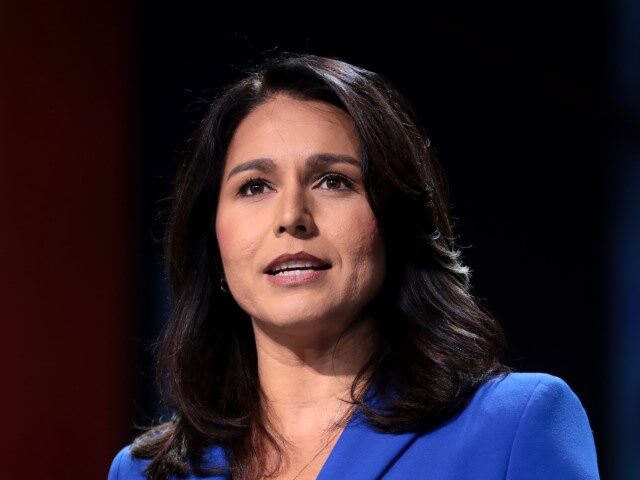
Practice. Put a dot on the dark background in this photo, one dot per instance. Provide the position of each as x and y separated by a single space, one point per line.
533 109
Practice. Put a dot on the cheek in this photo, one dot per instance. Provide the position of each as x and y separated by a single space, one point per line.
362 244
224 235
236 240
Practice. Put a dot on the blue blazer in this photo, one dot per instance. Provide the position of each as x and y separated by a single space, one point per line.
519 426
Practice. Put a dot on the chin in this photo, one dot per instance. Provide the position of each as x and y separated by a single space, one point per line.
296 319
302 320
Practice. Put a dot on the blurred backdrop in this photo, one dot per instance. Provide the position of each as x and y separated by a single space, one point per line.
533 108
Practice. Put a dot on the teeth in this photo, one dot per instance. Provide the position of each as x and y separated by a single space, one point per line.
288 273
295 264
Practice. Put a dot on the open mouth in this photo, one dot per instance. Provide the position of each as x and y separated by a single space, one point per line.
296 270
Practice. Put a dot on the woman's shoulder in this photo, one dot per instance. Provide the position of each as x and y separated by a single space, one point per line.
539 419
515 426
538 396
512 388
126 466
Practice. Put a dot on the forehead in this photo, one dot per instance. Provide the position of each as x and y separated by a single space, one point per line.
284 127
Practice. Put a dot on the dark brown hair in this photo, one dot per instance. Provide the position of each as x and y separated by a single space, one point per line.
437 343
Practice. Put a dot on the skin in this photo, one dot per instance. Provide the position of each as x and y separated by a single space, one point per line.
295 206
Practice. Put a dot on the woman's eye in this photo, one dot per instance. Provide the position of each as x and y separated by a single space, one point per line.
258 186
252 187
333 182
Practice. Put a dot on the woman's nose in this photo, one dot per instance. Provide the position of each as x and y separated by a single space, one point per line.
293 215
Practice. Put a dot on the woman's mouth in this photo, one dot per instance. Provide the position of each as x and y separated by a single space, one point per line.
295 267
297 274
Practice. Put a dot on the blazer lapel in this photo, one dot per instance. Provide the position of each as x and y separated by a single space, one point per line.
363 453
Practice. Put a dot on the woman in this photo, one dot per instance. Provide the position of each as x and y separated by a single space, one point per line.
323 324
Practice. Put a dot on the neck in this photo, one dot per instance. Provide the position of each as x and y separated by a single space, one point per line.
303 378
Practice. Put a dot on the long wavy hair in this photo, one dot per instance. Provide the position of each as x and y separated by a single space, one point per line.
437 343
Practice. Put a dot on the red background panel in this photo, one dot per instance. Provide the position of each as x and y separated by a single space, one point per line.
65 229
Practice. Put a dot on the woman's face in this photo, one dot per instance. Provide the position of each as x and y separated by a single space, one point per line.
292 183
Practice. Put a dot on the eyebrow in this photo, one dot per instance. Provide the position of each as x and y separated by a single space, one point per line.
314 161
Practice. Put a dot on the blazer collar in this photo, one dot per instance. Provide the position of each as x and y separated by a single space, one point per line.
360 452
